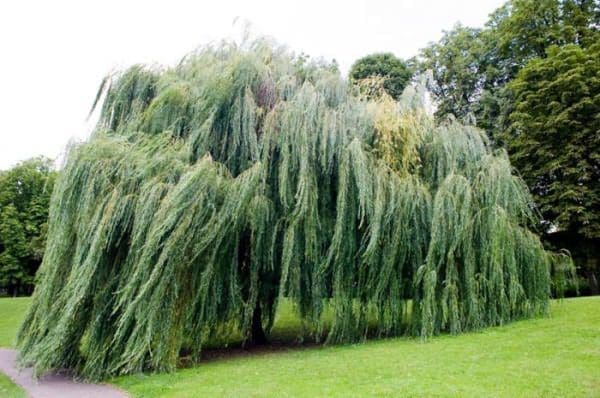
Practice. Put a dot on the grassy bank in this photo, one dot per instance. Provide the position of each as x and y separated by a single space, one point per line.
557 356
12 311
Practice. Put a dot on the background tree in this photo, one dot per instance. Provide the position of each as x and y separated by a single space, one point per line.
395 72
24 200
455 62
554 140
519 32
471 67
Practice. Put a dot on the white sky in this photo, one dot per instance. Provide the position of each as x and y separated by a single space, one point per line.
55 53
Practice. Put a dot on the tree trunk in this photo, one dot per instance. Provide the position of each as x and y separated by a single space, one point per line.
591 275
258 336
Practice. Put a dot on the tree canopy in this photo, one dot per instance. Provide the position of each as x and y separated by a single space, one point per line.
455 63
395 72
211 190
555 135
471 67
24 200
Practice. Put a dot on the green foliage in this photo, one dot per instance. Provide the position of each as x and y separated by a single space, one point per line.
555 136
475 75
24 200
211 190
395 73
455 63
471 67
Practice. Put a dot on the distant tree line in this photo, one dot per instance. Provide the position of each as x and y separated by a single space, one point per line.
25 192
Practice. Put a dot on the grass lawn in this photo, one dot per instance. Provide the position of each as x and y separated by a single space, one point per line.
551 357
12 311
8 389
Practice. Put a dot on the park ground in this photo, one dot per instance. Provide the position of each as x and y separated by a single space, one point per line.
558 356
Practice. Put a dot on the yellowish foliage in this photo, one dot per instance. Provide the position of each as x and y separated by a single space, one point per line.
398 133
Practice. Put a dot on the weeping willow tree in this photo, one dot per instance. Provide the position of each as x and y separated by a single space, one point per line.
211 190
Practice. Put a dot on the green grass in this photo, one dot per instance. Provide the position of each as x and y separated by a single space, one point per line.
557 356
8 389
551 357
12 311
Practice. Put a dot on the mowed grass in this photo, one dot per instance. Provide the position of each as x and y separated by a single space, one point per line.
551 357
12 311
8 389
557 356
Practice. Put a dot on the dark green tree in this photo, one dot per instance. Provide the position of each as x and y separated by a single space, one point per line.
518 32
24 201
457 71
554 137
471 67
395 72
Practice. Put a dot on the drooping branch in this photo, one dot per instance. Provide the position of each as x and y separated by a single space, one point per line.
212 190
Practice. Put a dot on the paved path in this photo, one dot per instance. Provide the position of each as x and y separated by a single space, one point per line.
53 385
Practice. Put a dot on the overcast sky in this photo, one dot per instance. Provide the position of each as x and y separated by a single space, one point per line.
55 53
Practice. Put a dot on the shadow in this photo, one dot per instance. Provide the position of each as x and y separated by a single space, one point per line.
231 353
